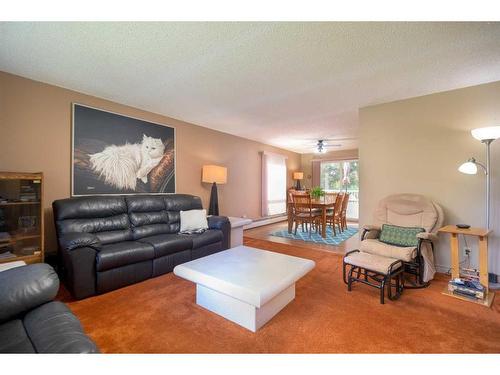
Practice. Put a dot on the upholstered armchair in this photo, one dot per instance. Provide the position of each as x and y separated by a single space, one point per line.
406 210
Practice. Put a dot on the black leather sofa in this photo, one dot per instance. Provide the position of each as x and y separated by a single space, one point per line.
30 322
108 242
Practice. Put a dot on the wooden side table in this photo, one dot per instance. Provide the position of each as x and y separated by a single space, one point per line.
482 235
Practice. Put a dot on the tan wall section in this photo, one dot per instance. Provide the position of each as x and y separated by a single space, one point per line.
416 146
35 123
307 159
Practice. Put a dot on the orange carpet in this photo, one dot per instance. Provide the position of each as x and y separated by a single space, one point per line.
160 316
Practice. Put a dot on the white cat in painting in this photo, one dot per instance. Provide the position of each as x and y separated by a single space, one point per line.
121 166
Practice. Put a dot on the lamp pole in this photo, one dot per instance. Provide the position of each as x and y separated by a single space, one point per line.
487 142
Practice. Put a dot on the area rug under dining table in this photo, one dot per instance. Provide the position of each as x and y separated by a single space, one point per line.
330 238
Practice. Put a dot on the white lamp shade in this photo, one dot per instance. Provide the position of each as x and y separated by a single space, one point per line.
490 132
214 173
468 168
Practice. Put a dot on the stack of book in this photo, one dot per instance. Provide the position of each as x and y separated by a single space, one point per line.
467 288
27 193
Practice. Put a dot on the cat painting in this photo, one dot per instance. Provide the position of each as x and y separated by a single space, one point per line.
121 166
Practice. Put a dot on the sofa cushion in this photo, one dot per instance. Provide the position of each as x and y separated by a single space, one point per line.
371 262
147 215
208 237
52 328
165 244
13 338
123 253
374 246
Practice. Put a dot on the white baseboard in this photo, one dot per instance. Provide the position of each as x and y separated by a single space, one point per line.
441 268
265 221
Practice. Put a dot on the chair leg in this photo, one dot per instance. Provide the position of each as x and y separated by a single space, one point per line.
382 290
296 225
349 279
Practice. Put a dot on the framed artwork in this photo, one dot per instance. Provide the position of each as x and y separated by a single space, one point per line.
116 154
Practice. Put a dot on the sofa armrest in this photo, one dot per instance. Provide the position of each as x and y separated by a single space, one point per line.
427 236
53 328
75 240
222 223
80 271
24 288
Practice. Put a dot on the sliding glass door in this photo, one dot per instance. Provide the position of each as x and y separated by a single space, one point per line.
336 176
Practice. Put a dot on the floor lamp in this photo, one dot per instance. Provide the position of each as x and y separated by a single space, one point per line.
213 174
487 136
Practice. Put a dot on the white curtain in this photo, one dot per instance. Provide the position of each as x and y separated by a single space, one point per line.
273 184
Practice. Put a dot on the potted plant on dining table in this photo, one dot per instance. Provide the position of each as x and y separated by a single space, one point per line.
317 192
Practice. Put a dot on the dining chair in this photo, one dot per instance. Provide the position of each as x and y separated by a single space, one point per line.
333 216
343 213
303 213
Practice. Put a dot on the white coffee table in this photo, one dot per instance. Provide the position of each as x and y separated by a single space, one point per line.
245 285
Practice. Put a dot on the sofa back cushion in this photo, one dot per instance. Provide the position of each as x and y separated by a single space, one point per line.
147 215
121 218
105 217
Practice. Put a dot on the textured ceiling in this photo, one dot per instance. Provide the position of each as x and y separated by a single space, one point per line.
285 84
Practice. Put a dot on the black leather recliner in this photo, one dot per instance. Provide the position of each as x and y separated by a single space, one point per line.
108 242
30 322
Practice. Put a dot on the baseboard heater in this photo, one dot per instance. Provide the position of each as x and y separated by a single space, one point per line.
265 221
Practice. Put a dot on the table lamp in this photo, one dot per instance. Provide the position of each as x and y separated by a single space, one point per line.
298 176
485 135
214 174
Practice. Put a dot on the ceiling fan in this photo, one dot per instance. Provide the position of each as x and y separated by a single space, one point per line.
322 145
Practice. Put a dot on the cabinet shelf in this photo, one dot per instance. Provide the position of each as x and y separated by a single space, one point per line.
18 203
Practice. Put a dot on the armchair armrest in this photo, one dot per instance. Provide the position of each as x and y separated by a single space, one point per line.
427 236
369 227
222 223
370 231
74 240
24 288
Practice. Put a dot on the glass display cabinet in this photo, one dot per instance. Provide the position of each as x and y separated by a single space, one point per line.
21 217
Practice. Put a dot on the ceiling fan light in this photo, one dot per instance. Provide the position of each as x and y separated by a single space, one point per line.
487 133
320 146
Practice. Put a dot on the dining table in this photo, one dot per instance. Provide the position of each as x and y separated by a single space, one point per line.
323 203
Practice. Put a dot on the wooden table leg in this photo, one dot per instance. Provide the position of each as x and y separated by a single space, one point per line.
455 263
483 261
323 220
290 221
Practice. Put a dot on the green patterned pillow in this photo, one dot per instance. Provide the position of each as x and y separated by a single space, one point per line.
400 236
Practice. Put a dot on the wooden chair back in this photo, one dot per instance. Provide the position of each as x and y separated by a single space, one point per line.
302 203
345 202
339 199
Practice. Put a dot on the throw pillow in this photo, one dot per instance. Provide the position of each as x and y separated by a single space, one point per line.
193 221
400 236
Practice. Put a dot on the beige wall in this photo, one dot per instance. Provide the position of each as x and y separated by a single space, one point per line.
307 159
35 123
416 146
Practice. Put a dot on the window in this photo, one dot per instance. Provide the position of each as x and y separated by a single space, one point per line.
342 175
273 184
